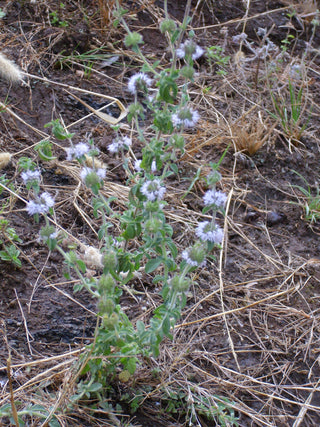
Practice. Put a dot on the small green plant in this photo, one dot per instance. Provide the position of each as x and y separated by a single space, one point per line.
8 237
27 413
217 58
55 17
191 404
10 253
311 205
217 409
285 43
291 118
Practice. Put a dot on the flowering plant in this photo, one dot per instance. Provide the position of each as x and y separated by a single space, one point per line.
146 240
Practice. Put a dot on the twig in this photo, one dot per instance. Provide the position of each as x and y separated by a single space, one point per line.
13 405
28 335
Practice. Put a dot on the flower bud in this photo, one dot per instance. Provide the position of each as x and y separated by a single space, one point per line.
168 25
106 306
177 141
187 72
110 322
133 39
152 206
198 253
109 261
180 284
153 225
213 178
106 284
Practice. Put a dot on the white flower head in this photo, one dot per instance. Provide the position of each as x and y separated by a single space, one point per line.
119 144
189 48
153 190
189 258
137 165
47 199
100 172
77 151
40 206
208 232
214 197
139 81
85 172
31 176
153 166
185 117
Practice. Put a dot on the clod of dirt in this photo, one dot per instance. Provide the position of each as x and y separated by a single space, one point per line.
274 218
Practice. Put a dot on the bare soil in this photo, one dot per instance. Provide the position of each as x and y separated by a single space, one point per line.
251 328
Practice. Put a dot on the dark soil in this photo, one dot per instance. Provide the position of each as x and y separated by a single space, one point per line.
271 247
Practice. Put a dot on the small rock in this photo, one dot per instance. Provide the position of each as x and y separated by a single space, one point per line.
274 218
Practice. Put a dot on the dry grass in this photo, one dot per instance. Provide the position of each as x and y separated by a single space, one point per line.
250 331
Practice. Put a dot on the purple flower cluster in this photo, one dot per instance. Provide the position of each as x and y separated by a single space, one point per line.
77 151
153 190
119 144
209 232
40 206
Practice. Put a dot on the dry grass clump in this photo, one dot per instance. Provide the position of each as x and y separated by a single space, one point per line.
5 159
250 133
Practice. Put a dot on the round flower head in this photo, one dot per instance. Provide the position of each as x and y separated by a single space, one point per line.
186 117
40 206
214 197
30 176
153 190
119 144
101 172
139 81
189 48
208 232
195 256
77 151
86 172
48 232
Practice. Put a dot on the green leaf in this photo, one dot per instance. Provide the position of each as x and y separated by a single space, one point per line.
58 130
153 264
173 248
168 88
170 264
166 326
81 265
131 365
130 232
94 387
44 149
140 326
174 168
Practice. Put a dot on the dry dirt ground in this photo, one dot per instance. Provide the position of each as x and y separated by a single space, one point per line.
251 328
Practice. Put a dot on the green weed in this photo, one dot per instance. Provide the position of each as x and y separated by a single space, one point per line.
311 205
291 118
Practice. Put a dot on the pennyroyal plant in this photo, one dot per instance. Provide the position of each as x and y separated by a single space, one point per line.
146 239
